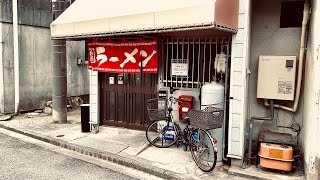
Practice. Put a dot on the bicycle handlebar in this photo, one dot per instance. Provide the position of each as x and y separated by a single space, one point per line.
174 100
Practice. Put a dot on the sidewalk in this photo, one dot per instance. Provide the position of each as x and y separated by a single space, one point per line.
125 147
119 145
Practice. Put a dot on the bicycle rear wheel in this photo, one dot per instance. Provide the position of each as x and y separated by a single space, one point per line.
202 150
162 133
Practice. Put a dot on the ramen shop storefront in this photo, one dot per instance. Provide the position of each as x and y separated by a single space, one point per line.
128 49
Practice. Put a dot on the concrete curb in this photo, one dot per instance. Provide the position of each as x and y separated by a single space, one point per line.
252 174
125 161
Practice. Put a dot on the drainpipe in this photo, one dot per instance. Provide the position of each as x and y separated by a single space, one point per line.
306 17
16 55
59 70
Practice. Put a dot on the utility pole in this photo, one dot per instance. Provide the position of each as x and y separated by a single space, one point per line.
59 70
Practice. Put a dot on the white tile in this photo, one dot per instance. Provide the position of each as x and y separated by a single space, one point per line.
94 80
238 64
94 89
236 118
93 100
238 50
94 73
93 117
93 96
235 135
238 93
242 6
240 36
94 108
237 79
235 148
236 107
241 21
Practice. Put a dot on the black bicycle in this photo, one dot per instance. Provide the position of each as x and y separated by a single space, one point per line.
163 132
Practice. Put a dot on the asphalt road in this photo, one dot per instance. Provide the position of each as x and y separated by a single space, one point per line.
22 160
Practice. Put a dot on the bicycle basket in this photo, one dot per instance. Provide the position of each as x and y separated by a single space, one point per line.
209 118
157 108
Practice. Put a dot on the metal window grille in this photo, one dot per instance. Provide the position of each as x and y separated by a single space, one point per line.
199 53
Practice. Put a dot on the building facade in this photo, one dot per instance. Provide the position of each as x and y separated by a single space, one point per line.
262 29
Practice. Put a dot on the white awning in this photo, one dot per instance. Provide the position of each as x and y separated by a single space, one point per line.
93 18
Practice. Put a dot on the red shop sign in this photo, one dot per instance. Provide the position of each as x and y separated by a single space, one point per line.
123 57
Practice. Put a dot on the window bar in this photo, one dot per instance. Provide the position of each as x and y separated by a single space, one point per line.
193 46
227 67
167 59
222 51
177 60
171 64
182 60
188 62
195 43
210 63
161 68
199 51
215 59
204 61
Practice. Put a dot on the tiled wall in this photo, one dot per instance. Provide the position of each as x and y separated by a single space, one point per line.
238 82
94 97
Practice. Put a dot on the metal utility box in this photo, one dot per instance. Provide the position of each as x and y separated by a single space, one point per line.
276 77
184 106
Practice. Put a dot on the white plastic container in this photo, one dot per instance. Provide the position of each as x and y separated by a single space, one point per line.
213 93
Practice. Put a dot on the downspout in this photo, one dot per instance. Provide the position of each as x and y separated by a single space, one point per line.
59 70
1 73
306 17
16 55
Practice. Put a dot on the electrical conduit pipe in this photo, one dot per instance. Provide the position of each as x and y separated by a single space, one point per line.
16 55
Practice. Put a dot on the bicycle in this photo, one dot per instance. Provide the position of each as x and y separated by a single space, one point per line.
164 132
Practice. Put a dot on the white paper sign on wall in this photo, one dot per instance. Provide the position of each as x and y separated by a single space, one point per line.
111 80
179 67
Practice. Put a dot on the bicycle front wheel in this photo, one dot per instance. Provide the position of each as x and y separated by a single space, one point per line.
202 150
162 133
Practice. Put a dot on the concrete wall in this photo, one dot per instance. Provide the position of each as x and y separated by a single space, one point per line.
311 114
78 75
30 12
35 58
36 68
269 39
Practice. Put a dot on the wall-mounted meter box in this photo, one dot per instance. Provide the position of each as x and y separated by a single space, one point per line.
276 77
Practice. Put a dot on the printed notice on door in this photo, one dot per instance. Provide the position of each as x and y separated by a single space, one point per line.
179 67
285 87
